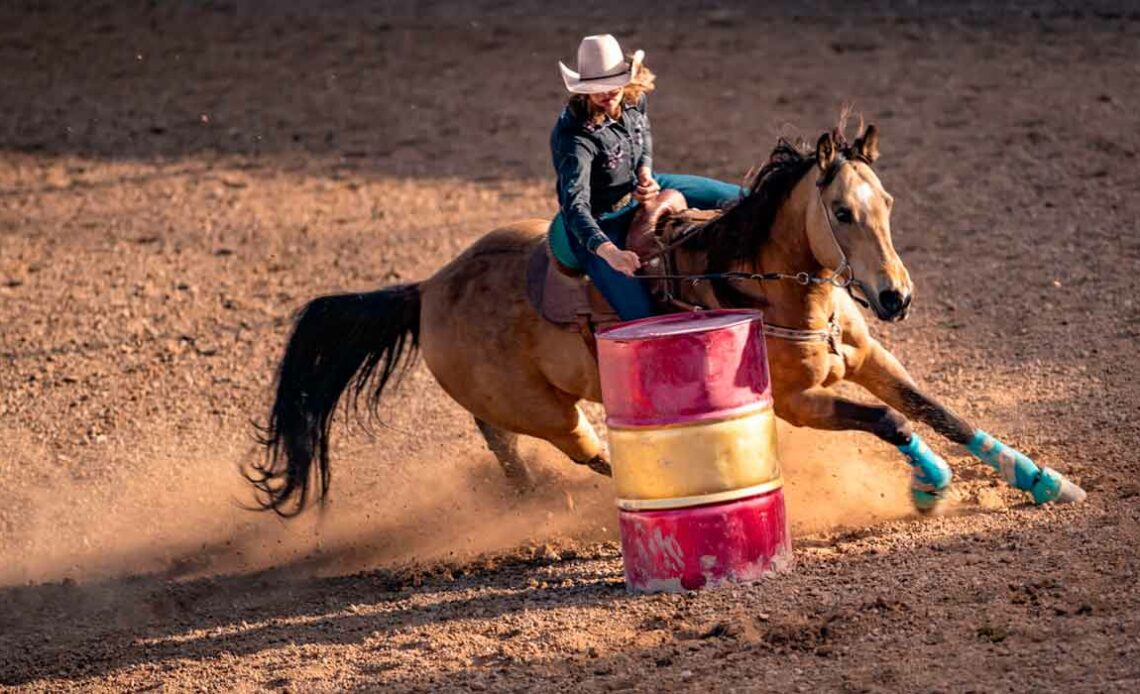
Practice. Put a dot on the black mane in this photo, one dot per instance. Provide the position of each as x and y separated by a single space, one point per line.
743 229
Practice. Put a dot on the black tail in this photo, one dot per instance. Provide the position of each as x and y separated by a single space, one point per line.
340 343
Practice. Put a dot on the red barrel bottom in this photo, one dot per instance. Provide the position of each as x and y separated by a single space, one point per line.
704 546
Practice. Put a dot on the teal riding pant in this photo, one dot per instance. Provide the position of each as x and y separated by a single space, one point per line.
630 297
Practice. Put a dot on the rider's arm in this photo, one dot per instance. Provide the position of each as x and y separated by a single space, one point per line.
646 160
573 160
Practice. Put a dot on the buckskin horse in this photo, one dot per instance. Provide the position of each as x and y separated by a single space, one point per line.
808 239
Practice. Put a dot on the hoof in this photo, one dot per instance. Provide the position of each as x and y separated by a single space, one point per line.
928 497
600 465
519 476
1071 493
522 485
926 502
931 478
1053 487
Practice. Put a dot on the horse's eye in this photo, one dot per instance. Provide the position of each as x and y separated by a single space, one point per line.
844 215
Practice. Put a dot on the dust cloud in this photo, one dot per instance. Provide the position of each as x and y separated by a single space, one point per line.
186 514
839 480
181 510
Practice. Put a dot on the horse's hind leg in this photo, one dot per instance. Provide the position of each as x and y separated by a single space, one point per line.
885 377
505 445
581 443
820 408
544 413
558 419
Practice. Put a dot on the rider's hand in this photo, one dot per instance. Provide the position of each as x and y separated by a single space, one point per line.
647 188
625 262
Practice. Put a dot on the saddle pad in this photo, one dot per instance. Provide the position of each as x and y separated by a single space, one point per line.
560 299
556 234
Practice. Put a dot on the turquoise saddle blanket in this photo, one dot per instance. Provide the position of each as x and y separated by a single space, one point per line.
560 244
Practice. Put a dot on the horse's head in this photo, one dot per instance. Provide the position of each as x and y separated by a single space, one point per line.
850 219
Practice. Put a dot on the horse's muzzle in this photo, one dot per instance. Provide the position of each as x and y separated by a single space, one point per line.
892 305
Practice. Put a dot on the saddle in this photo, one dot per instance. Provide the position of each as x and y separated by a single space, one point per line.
566 297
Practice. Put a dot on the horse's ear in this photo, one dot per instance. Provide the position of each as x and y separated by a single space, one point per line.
824 151
867 146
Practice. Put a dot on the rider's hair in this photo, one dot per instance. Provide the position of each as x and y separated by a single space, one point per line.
642 84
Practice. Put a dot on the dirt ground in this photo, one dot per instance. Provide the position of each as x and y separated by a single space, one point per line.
177 179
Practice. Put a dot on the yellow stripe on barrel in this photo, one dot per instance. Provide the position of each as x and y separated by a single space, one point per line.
692 460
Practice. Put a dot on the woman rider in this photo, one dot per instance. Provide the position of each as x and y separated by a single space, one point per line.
603 155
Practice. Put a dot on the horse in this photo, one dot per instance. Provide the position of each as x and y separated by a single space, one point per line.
808 242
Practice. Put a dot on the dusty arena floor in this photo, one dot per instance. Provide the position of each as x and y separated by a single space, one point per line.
177 179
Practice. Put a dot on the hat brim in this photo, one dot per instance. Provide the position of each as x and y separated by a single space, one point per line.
576 85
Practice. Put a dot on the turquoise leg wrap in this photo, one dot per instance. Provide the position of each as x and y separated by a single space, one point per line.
931 473
1016 468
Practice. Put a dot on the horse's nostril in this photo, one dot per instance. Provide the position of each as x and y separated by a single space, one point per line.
891 301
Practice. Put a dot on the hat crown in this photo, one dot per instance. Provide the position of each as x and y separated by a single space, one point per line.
600 56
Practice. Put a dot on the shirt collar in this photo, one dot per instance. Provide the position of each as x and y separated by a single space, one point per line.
594 127
591 127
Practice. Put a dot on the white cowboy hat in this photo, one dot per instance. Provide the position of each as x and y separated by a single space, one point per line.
602 66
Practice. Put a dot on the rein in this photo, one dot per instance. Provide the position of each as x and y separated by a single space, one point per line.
799 277
842 277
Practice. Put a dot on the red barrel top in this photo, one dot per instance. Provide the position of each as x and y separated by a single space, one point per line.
683 367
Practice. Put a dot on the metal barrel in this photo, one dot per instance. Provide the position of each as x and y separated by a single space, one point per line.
693 444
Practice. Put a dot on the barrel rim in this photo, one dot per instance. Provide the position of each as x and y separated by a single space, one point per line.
764 403
681 502
609 332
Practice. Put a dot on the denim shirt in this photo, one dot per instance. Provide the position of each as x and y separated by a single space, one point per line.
597 167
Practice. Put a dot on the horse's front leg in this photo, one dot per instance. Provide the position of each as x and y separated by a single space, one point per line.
820 408
883 375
